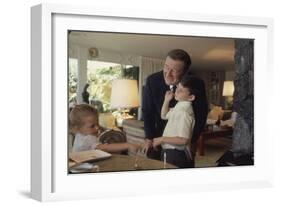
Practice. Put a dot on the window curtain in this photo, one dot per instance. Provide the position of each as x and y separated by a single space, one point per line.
150 66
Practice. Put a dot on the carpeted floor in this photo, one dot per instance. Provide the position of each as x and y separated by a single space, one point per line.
214 149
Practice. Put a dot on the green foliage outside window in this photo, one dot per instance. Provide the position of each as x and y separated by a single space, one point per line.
99 80
100 86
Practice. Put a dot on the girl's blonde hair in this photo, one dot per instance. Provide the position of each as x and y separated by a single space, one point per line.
79 112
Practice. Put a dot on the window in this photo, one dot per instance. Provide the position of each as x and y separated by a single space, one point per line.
72 82
97 88
99 78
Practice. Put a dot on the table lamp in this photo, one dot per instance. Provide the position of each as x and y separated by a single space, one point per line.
124 96
228 90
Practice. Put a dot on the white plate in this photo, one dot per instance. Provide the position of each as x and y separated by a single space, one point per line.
84 167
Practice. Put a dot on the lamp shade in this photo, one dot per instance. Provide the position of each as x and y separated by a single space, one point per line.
124 94
228 89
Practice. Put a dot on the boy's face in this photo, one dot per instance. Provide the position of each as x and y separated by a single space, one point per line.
90 126
183 94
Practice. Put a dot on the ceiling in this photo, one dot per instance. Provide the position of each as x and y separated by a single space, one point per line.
206 53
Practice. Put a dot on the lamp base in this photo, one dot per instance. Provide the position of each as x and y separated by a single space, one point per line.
228 103
121 115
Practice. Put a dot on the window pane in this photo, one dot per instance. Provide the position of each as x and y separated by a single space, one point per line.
72 87
100 76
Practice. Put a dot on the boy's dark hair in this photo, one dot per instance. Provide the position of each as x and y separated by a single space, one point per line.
196 87
179 54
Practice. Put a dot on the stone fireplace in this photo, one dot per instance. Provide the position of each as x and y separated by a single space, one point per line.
242 151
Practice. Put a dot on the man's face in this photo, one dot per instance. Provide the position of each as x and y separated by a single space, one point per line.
173 70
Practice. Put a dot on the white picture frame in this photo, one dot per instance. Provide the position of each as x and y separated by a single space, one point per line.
49 176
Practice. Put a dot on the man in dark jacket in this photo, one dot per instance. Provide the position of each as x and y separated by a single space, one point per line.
176 65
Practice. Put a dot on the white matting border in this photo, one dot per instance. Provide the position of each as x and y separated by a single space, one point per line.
49 179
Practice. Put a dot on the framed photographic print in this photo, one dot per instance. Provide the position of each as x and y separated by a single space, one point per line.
91 73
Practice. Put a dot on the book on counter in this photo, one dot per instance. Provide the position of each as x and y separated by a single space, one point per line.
133 123
134 131
134 127
135 139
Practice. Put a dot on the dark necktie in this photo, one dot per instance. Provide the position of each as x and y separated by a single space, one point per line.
173 101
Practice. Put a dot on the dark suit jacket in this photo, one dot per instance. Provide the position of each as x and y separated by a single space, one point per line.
153 98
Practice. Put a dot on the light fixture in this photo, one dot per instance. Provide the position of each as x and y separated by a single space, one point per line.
93 52
228 90
124 96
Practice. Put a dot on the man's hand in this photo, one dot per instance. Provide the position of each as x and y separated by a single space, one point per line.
147 145
157 141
